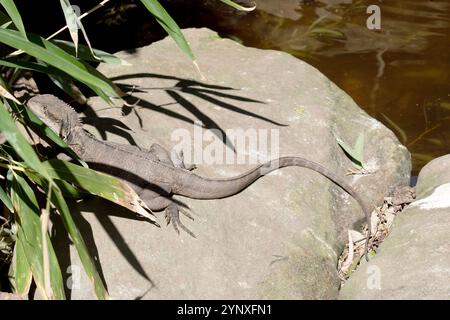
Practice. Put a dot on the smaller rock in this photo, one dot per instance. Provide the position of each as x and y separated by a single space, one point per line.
414 261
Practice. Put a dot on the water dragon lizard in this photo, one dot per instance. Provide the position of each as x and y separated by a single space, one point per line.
152 173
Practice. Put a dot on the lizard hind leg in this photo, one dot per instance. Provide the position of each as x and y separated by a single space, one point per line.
172 211
172 214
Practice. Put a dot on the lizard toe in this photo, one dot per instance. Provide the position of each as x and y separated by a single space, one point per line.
187 214
172 214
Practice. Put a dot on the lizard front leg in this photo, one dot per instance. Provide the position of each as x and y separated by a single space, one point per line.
175 159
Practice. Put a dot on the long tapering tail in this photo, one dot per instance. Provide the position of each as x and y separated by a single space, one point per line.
194 186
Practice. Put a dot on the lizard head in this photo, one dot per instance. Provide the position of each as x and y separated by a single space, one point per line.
55 113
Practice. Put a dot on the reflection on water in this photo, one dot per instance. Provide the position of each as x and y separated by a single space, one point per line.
399 74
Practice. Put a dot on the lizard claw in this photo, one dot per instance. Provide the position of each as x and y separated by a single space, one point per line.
172 214
187 214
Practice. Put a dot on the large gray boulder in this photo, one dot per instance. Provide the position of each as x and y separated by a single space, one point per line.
414 261
281 237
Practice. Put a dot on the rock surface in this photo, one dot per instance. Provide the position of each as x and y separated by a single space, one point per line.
282 236
414 261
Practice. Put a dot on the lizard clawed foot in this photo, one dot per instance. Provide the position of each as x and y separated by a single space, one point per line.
172 214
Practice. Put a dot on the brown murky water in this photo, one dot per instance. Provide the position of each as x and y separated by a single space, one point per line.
399 74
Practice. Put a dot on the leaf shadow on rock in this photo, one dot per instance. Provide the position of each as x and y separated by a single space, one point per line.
103 216
63 242
106 124
212 94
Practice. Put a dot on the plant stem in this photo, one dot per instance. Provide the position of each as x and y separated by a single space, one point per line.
45 217
98 6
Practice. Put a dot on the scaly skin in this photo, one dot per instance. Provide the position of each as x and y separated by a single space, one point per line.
152 173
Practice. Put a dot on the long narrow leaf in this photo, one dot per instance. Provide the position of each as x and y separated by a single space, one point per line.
59 77
21 273
171 27
5 199
19 143
356 153
58 201
103 185
86 259
30 236
50 53
12 11
68 190
32 66
85 54
5 93
68 87
71 22
5 21
239 7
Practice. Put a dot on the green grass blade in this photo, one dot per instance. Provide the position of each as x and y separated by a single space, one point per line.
15 16
30 235
168 24
51 54
21 271
88 264
85 54
32 66
97 183
68 190
69 87
57 74
74 24
5 199
71 22
86 259
19 143
239 7
5 20
356 153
